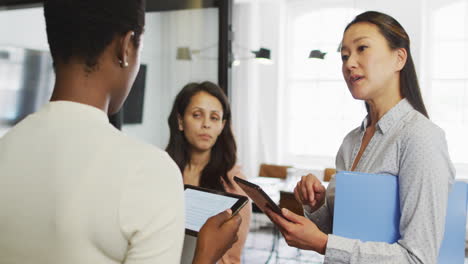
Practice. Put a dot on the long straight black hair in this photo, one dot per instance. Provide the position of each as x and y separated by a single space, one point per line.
223 153
397 37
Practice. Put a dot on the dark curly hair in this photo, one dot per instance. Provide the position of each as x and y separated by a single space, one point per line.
82 29
223 154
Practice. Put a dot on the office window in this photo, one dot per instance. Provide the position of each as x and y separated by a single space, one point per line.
448 105
319 110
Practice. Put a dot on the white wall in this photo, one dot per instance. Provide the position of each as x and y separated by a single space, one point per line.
23 28
255 87
245 90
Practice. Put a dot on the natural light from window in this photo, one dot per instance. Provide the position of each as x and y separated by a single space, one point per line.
319 108
320 111
449 91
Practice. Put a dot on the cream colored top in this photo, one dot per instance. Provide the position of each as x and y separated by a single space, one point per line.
75 190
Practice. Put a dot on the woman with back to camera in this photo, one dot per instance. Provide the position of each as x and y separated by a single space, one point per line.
77 190
203 146
395 138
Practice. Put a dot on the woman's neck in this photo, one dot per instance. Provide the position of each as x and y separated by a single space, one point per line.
199 160
379 106
74 84
378 110
193 169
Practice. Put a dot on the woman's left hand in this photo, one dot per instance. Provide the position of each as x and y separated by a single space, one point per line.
299 231
234 188
235 171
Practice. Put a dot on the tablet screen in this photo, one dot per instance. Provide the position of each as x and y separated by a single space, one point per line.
260 198
201 204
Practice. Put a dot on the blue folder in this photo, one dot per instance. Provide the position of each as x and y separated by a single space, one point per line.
452 249
367 208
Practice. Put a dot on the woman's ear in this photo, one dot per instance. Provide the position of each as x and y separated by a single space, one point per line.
180 122
126 49
402 56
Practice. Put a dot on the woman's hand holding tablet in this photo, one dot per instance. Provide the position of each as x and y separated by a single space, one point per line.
297 230
202 203
260 198
216 236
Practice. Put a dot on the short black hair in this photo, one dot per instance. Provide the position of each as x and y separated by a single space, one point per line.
82 29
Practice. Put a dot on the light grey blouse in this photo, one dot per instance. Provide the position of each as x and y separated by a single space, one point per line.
408 145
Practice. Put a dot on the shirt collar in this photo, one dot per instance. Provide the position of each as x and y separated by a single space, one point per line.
391 117
77 110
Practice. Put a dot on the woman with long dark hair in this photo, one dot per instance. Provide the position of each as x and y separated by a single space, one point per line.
395 138
203 146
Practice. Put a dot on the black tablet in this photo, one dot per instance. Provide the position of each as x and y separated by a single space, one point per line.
258 196
202 203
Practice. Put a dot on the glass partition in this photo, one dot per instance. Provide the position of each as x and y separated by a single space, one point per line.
26 75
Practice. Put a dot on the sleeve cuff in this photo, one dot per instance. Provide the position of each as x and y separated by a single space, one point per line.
338 249
320 217
307 210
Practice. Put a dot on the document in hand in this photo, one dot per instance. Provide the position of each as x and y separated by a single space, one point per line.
367 208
